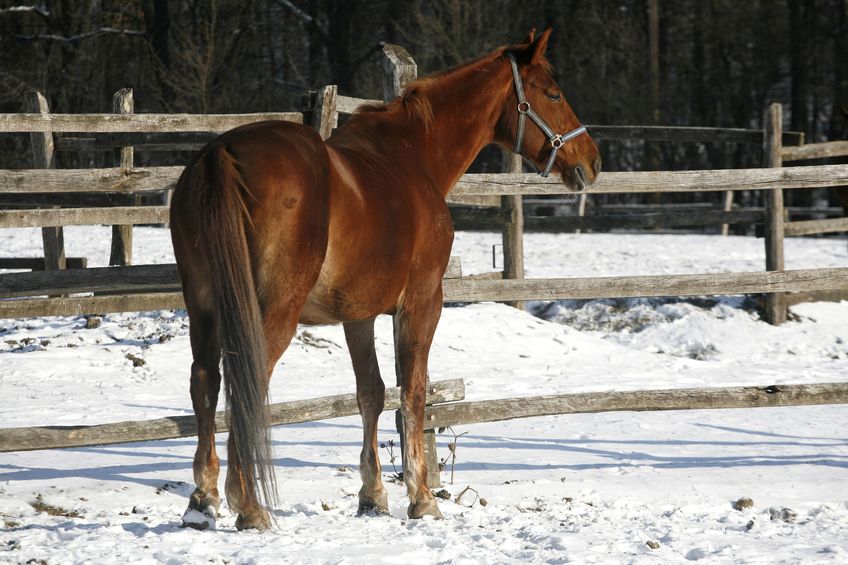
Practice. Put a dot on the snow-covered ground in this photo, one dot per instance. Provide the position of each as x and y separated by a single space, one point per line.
587 488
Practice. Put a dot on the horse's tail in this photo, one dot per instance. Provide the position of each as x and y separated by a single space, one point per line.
219 199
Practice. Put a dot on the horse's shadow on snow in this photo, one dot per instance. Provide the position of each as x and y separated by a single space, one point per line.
608 453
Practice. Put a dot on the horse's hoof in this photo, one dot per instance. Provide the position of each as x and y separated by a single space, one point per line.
372 510
373 505
200 519
424 508
259 520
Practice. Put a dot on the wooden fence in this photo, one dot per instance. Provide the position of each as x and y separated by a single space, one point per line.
150 287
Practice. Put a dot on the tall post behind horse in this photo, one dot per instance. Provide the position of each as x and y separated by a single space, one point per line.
272 226
399 70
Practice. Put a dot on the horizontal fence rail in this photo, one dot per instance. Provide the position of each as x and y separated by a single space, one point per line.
293 412
660 181
81 305
810 227
688 134
95 279
463 290
114 123
141 179
160 178
815 151
84 216
461 413
466 289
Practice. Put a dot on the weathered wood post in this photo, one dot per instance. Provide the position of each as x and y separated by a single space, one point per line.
513 228
325 116
43 158
775 307
728 206
121 254
581 207
399 69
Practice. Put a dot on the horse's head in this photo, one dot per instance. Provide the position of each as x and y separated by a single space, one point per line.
537 122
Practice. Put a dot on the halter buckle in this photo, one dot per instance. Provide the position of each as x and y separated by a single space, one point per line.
557 142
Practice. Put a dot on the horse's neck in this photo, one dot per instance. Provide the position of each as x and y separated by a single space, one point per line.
464 118
465 107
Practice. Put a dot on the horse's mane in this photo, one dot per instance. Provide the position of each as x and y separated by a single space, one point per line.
413 106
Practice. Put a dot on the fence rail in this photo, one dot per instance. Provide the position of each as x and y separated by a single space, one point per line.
815 151
53 437
480 290
462 413
122 123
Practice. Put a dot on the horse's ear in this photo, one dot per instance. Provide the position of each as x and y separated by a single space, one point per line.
539 46
529 39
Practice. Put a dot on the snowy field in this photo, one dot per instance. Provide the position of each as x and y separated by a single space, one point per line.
602 488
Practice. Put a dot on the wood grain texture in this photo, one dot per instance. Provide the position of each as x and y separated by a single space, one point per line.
43 157
809 227
78 306
121 250
112 123
325 116
89 180
83 216
512 231
349 104
659 181
488 184
645 220
97 279
815 151
689 134
53 437
776 310
463 413
465 290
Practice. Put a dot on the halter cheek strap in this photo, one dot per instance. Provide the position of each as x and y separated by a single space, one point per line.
525 111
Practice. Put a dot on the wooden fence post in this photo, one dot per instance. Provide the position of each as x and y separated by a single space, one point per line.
775 307
581 207
121 254
399 69
43 158
325 116
728 206
513 228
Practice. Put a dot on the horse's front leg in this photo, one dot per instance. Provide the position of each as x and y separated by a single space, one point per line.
415 324
370 397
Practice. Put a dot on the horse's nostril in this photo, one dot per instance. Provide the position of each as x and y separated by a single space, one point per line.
597 166
581 176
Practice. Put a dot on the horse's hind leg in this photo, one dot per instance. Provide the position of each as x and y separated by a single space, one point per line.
415 324
370 397
205 383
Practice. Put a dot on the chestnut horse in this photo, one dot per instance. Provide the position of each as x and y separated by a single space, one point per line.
273 227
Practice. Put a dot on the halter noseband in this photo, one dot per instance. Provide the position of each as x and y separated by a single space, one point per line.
524 110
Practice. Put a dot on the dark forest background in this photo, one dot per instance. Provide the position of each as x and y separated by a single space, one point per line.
682 62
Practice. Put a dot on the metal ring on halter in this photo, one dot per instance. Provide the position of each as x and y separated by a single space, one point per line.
523 103
557 142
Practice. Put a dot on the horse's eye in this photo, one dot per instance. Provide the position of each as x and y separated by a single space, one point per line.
553 97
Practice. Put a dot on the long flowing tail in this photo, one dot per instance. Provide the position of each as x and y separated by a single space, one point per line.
218 197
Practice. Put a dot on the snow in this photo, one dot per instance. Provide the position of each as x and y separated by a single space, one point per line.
581 488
